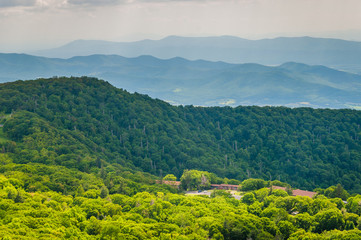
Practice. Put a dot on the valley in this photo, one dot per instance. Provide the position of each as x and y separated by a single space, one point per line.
180 120
200 83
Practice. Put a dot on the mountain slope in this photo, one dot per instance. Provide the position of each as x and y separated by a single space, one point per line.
180 81
76 122
315 51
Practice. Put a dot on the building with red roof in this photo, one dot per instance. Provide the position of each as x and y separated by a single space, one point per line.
303 193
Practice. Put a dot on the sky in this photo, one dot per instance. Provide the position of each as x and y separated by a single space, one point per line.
29 25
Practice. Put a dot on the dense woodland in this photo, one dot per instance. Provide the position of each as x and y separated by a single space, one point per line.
96 214
80 159
82 123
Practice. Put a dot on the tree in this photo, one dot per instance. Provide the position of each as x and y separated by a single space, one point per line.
353 204
286 228
359 223
19 197
253 184
79 191
170 177
275 214
340 192
328 220
194 179
104 192
335 192
93 226
248 198
303 220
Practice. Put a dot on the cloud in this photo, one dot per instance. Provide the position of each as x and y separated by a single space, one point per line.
116 2
83 3
17 3
96 2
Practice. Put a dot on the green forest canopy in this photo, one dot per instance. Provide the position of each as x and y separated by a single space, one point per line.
81 123
94 213
79 158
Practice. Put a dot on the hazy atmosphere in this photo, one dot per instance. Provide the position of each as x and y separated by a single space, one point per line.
180 119
28 25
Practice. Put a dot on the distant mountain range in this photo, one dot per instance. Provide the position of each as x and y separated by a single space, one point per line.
340 54
180 81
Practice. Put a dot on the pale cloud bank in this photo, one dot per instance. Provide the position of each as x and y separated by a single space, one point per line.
57 3
39 24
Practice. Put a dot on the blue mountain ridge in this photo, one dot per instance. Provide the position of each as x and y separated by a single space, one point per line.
199 82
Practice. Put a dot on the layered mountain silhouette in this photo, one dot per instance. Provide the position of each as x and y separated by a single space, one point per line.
205 83
341 54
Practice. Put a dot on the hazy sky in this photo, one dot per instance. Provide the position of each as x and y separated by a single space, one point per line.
38 24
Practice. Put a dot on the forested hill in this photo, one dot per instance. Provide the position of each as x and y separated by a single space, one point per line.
79 122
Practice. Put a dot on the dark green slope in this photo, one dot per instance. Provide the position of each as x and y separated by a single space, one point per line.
79 122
